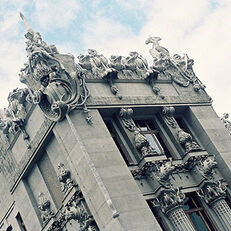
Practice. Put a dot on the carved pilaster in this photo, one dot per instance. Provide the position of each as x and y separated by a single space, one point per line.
213 193
179 220
223 212
170 202
44 207
64 177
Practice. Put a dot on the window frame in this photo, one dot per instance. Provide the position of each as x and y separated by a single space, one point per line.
199 208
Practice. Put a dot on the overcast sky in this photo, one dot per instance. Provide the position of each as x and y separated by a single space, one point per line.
200 28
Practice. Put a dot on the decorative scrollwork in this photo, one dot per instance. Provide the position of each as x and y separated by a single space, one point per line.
54 81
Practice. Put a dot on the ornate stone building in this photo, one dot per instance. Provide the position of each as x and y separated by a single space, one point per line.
112 145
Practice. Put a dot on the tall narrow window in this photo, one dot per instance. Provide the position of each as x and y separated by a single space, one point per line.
153 135
197 214
20 222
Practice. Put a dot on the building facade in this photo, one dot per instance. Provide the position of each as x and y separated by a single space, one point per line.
112 145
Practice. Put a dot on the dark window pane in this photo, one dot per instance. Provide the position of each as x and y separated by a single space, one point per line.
9 228
188 204
20 222
208 221
198 222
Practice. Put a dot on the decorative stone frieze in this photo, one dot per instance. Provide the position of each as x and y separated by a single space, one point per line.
96 66
64 177
168 112
187 141
226 122
53 79
44 206
178 69
156 170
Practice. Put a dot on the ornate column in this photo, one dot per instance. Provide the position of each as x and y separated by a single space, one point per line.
170 203
213 194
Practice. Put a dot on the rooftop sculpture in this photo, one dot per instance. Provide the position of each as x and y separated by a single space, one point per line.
57 84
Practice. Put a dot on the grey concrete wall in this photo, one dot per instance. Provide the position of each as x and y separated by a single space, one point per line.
213 136
123 190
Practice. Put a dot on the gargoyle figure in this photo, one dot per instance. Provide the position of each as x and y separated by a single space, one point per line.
186 140
76 209
117 63
177 68
143 145
95 64
126 115
138 65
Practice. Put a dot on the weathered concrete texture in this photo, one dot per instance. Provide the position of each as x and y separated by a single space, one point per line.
25 202
213 136
141 93
6 198
134 212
